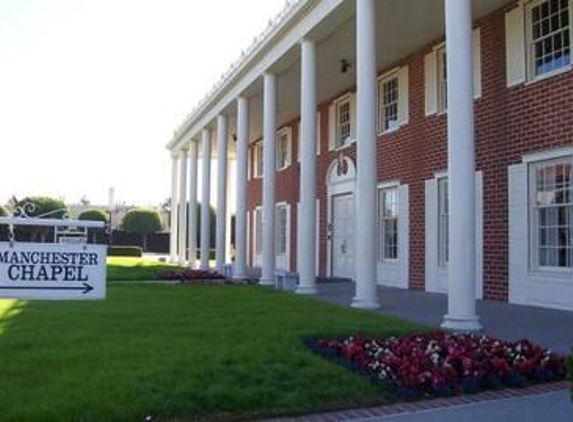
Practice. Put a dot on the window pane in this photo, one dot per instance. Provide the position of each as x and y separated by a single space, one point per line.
553 210
550 36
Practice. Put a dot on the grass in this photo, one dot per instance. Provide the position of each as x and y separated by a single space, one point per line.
178 353
134 269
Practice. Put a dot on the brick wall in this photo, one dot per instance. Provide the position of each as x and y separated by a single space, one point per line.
510 122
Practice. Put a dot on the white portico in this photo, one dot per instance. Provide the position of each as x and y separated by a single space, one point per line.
313 51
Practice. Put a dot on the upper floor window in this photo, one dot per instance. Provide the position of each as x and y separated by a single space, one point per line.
551 210
259 163
388 107
549 36
442 82
443 222
283 149
343 123
388 236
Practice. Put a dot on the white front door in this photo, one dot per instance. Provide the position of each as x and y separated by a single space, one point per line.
343 236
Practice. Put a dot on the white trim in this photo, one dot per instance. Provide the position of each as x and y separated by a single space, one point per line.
528 39
395 272
285 131
547 155
528 286
350 98
284 266
437 276
257 256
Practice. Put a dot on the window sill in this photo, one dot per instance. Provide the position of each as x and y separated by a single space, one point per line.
389 131
555 272
549 75
283 168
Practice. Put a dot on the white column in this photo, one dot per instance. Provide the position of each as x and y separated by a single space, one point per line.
365 199
193 181
307 224
461 160
174 209
205 198
240 272
269 133
221 193
183 208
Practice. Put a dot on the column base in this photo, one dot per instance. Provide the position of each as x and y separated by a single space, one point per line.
267 282
462 324
240 278
306 290
366 304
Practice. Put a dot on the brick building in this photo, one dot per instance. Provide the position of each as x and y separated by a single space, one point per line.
339 118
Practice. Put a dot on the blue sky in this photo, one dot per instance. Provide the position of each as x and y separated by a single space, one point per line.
92 90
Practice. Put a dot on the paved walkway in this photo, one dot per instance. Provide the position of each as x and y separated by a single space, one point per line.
551 403
547 327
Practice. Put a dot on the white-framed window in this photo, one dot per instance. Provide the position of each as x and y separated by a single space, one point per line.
283 149
442 82
258 215
388 210
549 37
282 229
443 222
343 122
258 157
551 213
388 103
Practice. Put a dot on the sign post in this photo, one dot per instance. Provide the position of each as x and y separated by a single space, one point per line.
68 269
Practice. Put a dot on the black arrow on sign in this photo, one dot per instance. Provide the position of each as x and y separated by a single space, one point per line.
86 288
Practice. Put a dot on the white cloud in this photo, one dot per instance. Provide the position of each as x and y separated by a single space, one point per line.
91 91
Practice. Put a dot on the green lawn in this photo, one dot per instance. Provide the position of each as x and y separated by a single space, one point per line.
178 353
134 269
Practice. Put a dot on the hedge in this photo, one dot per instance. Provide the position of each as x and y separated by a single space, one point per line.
129 251
570 371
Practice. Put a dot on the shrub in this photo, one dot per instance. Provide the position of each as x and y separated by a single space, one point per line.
94 215
142 221
36 206
570 371
125 251
191 276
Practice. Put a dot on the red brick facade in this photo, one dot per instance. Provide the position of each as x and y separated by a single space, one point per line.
510 122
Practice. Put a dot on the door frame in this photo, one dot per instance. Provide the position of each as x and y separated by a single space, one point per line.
340 180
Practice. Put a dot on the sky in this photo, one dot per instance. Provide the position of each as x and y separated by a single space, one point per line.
91 91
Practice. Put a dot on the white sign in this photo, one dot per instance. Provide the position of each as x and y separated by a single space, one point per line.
48 271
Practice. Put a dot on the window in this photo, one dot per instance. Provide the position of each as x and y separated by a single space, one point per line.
259 163
282 229
443 222
258 231
442 80
343 124
283 149
388 235
388 104
551 204
549 36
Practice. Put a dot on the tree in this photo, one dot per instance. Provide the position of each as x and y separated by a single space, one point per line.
40 207
94 215
3 229
142 221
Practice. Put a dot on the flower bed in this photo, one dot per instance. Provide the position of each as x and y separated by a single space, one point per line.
442 364
192 276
